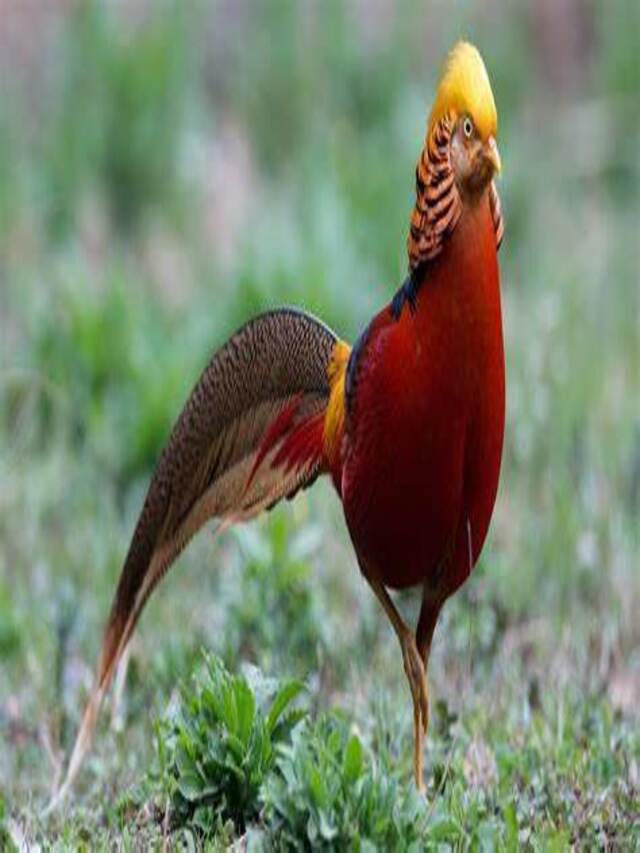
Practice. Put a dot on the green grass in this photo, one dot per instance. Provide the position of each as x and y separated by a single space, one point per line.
162 178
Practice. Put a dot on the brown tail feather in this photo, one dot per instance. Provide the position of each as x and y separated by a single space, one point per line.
218 464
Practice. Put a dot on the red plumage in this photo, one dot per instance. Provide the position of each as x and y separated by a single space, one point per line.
424 439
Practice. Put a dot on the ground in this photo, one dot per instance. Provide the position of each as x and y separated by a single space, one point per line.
164 175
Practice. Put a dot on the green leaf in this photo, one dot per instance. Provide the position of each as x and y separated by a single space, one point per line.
317 788
190 786
184 762
246 708
445 829
284 697
511 826
287 723
353 760
334 741
214 703
236 746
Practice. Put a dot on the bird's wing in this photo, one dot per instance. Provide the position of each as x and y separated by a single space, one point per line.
250 434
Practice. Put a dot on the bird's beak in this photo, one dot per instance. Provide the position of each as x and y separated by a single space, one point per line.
493 155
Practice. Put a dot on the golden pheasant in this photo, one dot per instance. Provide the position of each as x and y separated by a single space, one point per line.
409 423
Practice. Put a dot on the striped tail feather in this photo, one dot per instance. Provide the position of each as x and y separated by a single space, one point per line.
250 434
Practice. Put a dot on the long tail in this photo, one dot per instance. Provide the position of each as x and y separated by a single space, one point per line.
250 434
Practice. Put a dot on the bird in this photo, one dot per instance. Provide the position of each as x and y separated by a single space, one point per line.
408 422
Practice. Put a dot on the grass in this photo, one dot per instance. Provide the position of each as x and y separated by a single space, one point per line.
148 205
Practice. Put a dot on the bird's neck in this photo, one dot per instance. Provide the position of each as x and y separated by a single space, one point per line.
458 297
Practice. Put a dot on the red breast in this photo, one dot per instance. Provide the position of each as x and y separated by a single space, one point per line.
424 437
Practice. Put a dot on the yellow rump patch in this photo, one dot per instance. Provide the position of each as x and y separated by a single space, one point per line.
335 414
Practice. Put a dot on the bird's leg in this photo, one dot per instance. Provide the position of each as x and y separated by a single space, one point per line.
424 634
414 669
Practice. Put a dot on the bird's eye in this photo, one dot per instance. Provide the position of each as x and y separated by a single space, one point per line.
467 127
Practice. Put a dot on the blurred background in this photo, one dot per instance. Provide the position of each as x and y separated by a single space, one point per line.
168 169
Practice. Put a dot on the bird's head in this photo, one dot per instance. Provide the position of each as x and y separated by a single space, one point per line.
464 96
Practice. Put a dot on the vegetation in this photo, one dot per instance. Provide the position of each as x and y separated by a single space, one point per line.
214 755
165 171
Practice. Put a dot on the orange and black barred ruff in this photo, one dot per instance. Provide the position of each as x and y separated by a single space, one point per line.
438 205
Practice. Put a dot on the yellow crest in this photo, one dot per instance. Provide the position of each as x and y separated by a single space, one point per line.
464 89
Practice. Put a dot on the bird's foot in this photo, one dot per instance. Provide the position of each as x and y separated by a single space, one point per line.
416 676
